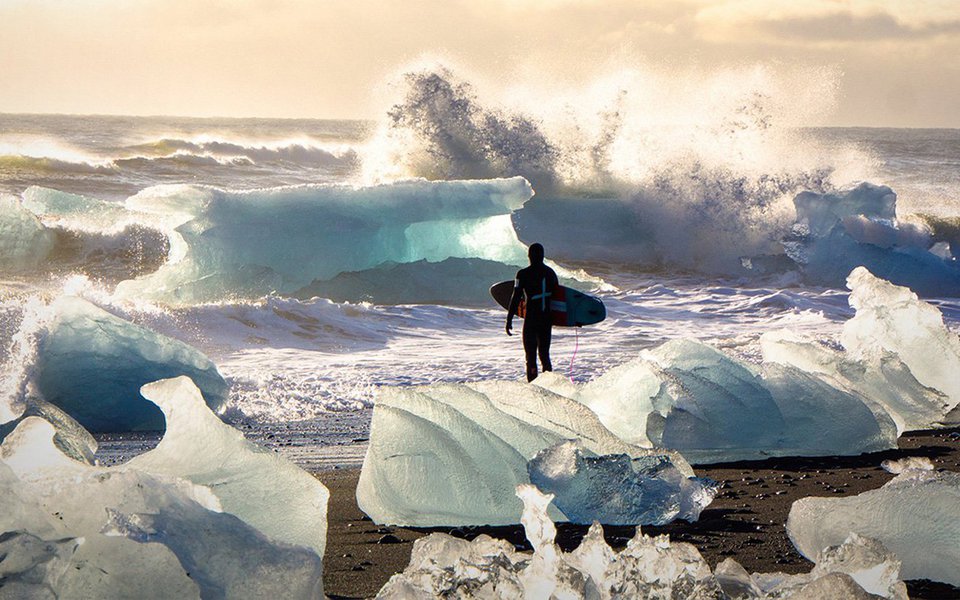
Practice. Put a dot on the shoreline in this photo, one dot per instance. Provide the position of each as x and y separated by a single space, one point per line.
746 521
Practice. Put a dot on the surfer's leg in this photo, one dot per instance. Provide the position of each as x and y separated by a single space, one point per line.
544 346
530 350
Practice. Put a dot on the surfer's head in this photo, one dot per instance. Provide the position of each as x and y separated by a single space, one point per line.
536 254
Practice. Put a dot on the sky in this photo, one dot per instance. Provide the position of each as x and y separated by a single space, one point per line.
897 61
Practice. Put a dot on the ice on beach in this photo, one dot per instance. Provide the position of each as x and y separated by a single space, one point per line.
837 232
916 515
891 318
442 566
896 372
711 407
617 489
898 355
261 487
255 528
235 244
452 454
70 437
91 364
24 241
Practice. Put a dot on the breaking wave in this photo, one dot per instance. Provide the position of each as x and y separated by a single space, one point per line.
620 174
303 153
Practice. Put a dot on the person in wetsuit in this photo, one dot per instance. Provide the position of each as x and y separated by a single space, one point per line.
536 284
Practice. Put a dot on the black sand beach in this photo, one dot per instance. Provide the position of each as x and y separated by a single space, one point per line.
745 521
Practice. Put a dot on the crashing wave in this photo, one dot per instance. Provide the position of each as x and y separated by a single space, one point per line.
300 153
698 195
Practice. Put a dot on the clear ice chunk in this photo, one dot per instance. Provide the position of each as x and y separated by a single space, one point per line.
711 407
264 489
892 318
616 489
451 454
916 515
257 528
91 364
71 438
649 567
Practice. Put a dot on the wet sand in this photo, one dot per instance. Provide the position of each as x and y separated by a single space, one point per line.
745 521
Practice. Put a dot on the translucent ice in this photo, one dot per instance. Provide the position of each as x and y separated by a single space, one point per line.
448 454
882 380
71 438
836 233
616 489
445 567
916 515
689 397
257 242
148 531
92 364
265 490
891 318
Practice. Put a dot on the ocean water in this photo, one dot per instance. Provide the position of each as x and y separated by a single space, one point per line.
317 260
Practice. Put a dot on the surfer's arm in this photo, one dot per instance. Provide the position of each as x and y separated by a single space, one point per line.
514 304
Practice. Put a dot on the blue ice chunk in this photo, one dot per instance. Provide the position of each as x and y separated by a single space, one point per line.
249 244
835 233
616 489
92 364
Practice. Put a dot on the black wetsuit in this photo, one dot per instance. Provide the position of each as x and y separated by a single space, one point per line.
537 284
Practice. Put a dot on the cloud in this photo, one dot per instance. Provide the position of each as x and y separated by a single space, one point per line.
829 21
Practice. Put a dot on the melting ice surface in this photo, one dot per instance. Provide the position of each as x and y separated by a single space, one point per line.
803 399
243 244
91 364
449 454
837 232
444 566
916 515
205 515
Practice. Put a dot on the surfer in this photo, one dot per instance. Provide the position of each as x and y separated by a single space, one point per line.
534 284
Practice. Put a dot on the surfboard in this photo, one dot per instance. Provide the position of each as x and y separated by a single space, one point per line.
569 307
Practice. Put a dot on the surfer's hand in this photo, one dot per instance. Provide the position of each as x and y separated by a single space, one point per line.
509 327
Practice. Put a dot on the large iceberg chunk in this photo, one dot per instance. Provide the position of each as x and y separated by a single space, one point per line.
689 397
256 529
448 454
256 242
91 364
916 515
891 318
264 489
442 566
882 381
836 233
899 356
